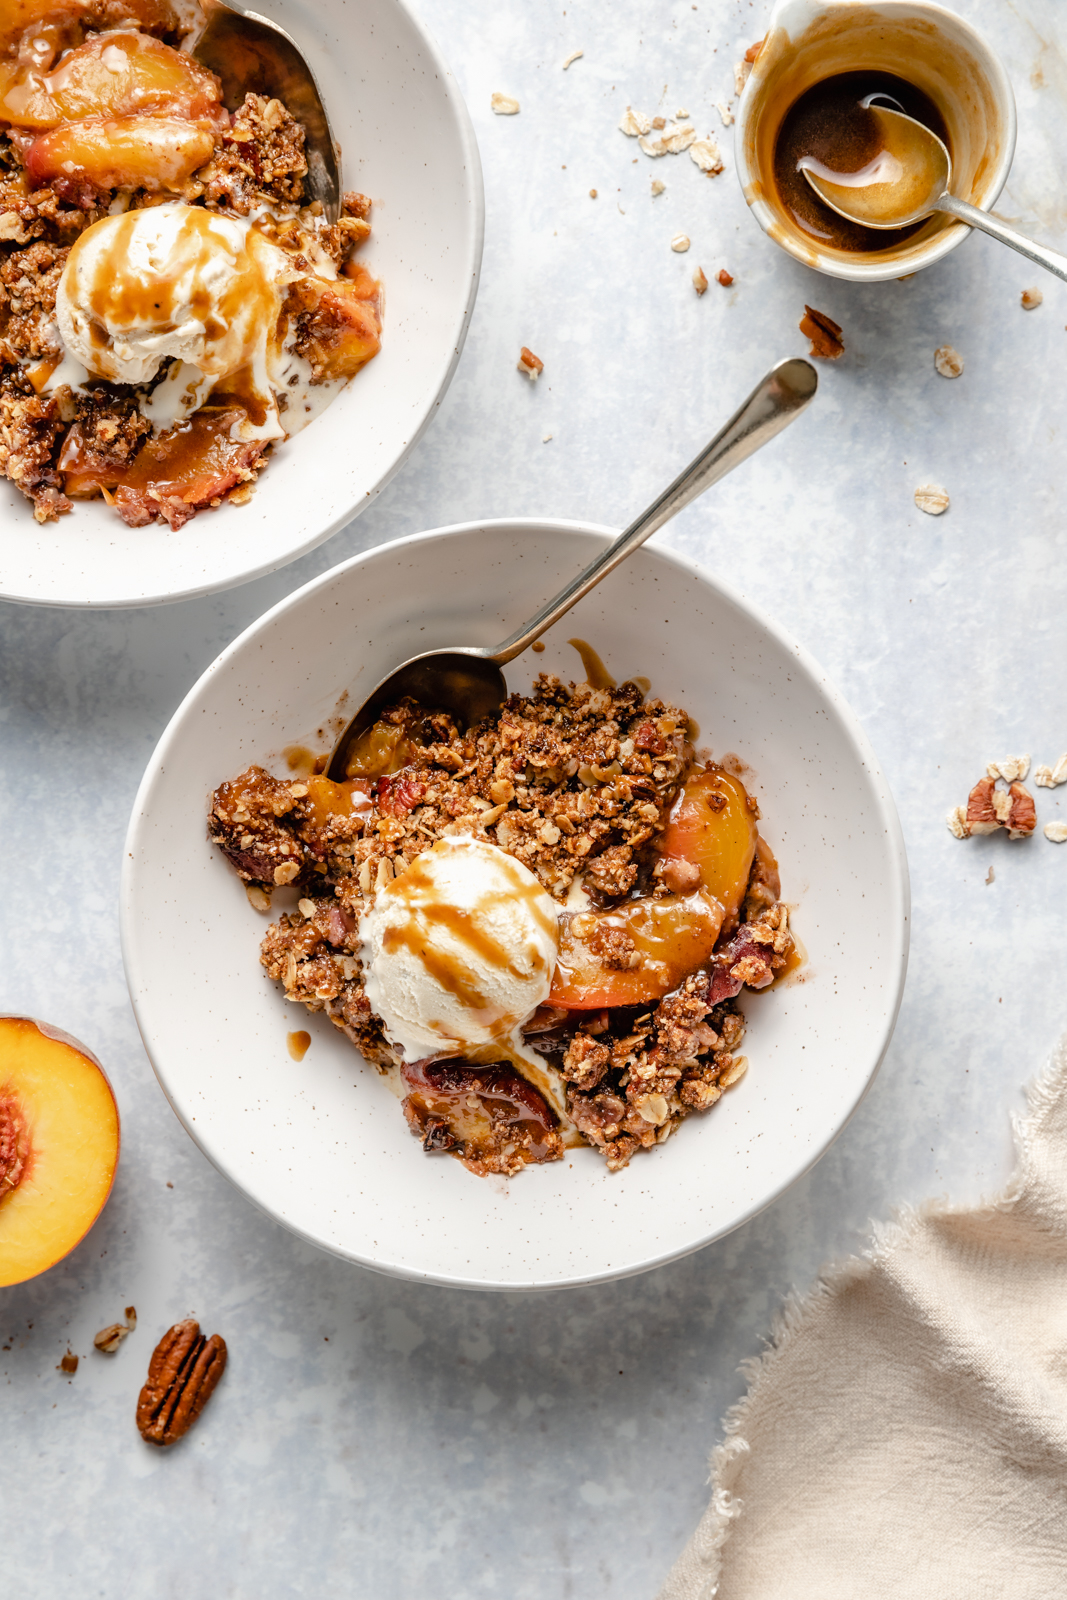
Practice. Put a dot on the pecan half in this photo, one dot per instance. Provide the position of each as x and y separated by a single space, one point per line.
183 1372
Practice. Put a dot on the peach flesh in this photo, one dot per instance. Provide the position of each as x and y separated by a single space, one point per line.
59 1146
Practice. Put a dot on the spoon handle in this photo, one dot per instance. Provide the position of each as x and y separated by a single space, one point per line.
1051 260
781 396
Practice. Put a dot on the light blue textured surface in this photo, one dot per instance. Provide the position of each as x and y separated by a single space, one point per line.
378 1439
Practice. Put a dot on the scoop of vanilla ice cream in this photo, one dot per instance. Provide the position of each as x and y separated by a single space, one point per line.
459 950
174 280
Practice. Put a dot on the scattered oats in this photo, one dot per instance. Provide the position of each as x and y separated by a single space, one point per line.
1056 831
1031 299
592 194
672 142
723 108
306 909
530 364
736 1070
741 72
706 154
364 878
1051 777
11 227
957 822
700 282
948 361
681 116
1012 769
505 105
658 187
659 122
242 494
385 873
680 243
932 499
547 439
575 55
634 122
990 876
286 871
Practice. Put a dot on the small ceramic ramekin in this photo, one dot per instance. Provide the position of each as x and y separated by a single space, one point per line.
938 52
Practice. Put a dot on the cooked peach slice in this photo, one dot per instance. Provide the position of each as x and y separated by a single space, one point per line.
172 476
122 74
713 827
661 940
156 153
339 327
327 799
154 16
59 1146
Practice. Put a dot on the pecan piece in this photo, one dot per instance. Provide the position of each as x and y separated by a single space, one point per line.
183 1372
824 333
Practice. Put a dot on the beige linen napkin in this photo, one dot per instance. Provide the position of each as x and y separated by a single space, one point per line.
905 1437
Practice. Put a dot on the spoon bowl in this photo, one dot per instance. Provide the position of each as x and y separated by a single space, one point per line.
909 177
468 682
246 52
904 182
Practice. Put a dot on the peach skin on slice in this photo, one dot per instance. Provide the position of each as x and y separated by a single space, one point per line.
156 153
120 74
663 940
713 826
59 1146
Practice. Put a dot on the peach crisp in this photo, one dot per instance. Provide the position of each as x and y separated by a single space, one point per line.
536 929
172 302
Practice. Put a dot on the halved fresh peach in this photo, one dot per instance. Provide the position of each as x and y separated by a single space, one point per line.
713 826
59 1146
156 153
120 74
670 938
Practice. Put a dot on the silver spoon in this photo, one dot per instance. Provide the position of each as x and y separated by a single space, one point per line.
909 179
247 53
467 680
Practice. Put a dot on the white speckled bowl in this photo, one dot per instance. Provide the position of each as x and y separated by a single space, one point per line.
322 1145
406 140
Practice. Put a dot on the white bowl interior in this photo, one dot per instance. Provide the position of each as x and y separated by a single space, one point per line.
406 140
322 1145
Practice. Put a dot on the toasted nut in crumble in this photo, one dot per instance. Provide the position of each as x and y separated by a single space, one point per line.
1051 777
1011 769
530 364
1031 299
700 282
505 105
931 498
109 1339
680 243
948 361
1056 831
824 333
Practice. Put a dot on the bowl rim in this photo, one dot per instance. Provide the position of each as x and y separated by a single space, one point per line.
886 811
870 272
473 240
